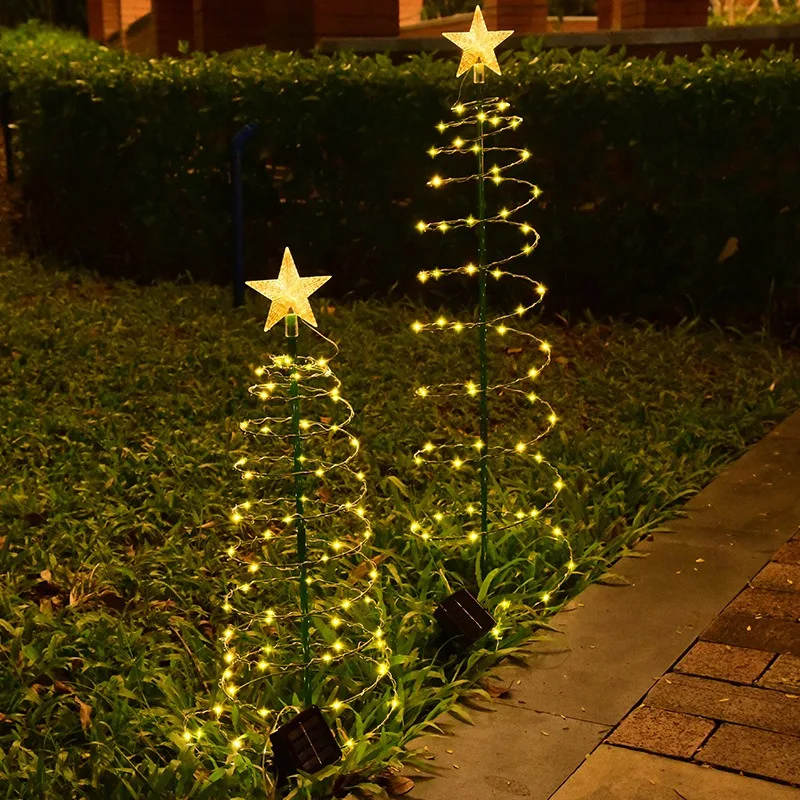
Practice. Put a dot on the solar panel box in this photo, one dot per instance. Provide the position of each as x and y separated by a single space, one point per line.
304 744
462 619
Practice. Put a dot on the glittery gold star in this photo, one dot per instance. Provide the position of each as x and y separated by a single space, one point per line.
289 293
478 44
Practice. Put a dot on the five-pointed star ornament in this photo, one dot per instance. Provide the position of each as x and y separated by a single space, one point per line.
289 293
478 44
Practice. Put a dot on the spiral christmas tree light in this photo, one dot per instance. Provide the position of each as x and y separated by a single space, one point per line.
306 622
476 137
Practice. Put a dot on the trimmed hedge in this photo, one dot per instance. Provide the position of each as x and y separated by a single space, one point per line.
648 168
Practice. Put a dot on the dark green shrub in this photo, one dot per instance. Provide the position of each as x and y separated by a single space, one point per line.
648 168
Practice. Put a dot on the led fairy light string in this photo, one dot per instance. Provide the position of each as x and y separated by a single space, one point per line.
287 533
292 332
479 125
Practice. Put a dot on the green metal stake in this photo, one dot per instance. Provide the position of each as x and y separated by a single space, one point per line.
294 396
483 314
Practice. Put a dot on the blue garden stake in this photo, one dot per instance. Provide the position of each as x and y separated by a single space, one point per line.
237 146
5 124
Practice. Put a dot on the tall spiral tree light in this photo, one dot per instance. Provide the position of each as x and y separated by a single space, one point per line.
478 452
305 644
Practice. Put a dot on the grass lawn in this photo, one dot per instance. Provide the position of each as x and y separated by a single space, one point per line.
119 411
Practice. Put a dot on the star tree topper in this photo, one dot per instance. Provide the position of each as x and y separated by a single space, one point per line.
478 44
289 293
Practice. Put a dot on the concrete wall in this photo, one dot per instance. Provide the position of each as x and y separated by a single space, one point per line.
132 10
229 24
140 37
356 17
173 22
632 14
410 12
301 24
460 22
528 16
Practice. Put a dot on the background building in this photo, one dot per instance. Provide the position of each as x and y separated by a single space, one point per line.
155 27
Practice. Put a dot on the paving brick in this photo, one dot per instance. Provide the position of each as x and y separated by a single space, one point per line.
758 494
726 702
767 603
609 651
771 755
789 428
725 662
664 732
781 577
789 553
783 675
745 630
619 773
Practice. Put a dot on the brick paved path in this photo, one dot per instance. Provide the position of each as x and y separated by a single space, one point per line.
733 701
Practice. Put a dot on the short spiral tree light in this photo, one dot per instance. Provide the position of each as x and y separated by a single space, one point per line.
466 520
306 639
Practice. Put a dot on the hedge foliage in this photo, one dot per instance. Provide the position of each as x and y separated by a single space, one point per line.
651 170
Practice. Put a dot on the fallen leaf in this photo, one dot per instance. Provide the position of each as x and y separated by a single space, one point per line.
613 579
731 249
699 561
46 575
512 351
399 784
496 689
85 712
206 628
365 566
